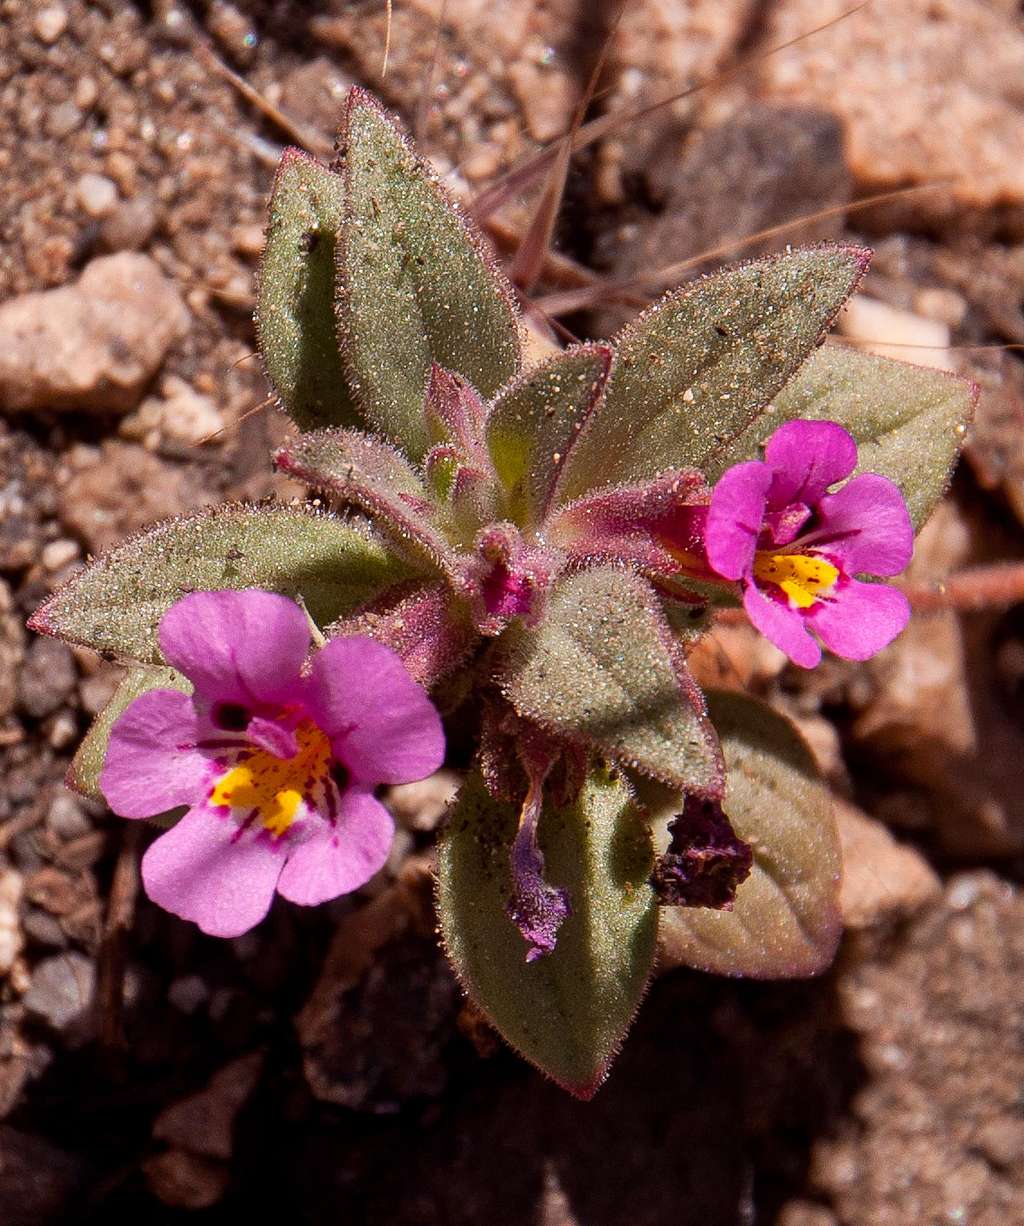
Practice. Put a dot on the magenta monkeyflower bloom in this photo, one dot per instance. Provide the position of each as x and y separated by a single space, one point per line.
276 762
796 549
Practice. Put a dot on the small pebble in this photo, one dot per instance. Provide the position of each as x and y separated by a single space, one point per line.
62 989
62 730
97 195
63 120
11 886
188 993
65 817
50 23
86 93
130 225
57 554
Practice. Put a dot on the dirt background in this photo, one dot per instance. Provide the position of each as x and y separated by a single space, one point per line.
324 1067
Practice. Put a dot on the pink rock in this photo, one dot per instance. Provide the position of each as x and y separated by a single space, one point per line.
92 345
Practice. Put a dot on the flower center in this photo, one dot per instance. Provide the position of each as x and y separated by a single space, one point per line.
273 787
801 576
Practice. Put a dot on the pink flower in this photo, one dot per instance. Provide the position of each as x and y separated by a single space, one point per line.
796 549
277 763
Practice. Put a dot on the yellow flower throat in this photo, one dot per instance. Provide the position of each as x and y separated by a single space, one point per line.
273 787
802 577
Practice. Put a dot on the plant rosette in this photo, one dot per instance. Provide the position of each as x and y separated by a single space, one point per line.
531 550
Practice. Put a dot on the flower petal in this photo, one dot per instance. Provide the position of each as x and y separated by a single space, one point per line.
735 518
200 871
860 619
272 736
245 647
782 626
151 765
342 857
382 725
806 457
872 524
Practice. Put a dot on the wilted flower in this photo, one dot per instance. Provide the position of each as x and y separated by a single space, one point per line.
276 763
796 549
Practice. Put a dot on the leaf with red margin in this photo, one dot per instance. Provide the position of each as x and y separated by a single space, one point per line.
426 624
566 1012
116 603
692 372
535 422
785 923
909 421
416 283
375 477
657 527
295 325
603 669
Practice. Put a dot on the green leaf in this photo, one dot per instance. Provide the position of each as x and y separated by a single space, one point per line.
116 603
374 476
295 324
535 423
84 772
603 669
693 371
416 283
566 1012
909 421
786 922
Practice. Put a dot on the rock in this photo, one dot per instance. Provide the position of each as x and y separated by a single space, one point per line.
386 1003
315 93
883 72
882 879
39 1181
11 939
12 651
893 333
62 990
659 50
57 554
203 1123
756 170
50 23
131 225
995 443
179 413
127 489
58 892
940 711
47 679
734 656
185 1181
65 817
92 345
43 929
188 993
420 806
937 1021
547 95
96 194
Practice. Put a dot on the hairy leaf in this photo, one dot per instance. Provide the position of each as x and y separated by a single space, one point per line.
566 1012
603 669
375 477
785 922
909 421
416 283
84 772
693 371
295 324
116 603
535 423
